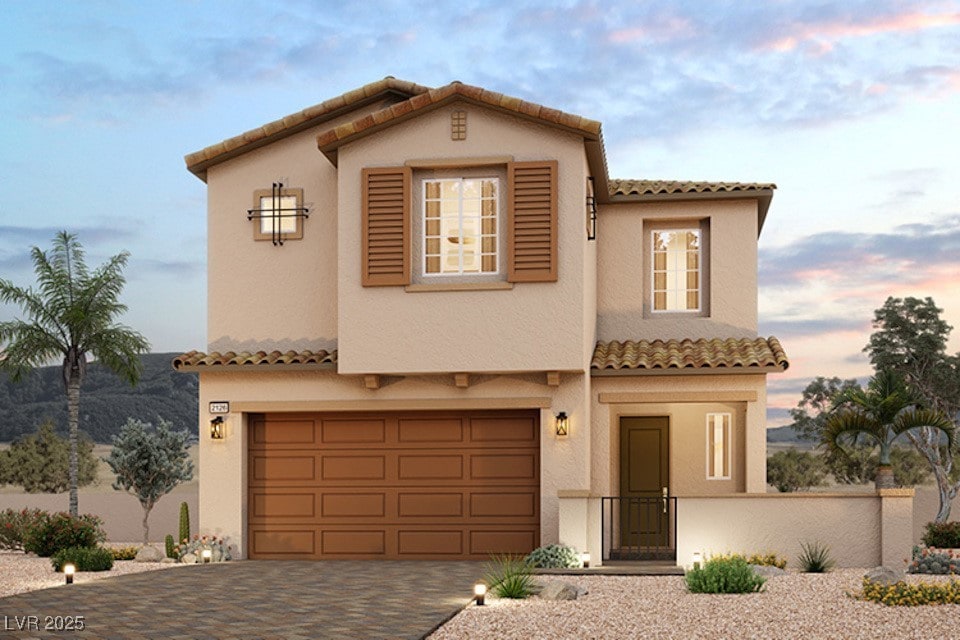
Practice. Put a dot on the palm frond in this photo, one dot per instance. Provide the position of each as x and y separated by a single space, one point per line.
26 346
847 427
118 348
919 418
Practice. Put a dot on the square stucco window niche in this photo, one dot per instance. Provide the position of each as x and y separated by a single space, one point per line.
278 214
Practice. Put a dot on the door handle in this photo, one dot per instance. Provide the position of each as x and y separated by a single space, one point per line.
666 493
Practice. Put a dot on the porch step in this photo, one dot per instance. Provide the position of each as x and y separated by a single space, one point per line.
620 568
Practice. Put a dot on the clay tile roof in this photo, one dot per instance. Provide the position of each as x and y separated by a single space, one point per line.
198 162
329 141
199 361
673 187
659 355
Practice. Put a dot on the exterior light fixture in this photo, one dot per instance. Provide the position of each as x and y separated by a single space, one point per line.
207 555
697 559
585 559
68 571
216 428
479 593
563 425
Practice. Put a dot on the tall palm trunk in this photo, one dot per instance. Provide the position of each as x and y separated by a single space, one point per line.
73 417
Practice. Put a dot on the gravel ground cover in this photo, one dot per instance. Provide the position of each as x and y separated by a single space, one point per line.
20 572
792 606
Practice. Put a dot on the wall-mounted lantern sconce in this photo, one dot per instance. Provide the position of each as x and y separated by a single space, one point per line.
480 593
216 428
563 425
68 571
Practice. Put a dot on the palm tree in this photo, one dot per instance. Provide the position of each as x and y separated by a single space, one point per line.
71 315
882 413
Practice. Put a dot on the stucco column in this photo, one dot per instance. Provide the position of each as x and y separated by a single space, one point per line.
223 481
755 447
896 527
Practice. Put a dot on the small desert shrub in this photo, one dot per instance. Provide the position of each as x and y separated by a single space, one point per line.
51 533
794 470
767 560
815 558
124 553
14 525
903 594
554 556
219 550
942 535
509 577
83 558
724 574
934 561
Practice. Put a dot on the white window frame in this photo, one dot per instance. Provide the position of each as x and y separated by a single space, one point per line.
727 455
498 226
653 270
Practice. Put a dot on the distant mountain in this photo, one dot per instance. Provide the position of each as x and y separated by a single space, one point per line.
106 401
784 434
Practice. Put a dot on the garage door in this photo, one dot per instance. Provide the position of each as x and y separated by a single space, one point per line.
400 485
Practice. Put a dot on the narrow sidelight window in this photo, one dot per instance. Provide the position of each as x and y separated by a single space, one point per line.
718 446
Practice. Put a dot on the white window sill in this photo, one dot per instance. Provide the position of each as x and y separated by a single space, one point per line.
459 286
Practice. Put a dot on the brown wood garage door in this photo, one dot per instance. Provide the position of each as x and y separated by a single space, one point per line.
399 485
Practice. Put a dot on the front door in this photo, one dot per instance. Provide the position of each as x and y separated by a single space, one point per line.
644 483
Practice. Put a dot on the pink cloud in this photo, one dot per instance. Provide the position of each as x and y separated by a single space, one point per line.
658 31
822 35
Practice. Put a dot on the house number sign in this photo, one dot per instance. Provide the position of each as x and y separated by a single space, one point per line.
219 407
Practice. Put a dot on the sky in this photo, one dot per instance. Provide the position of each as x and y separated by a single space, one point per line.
851 107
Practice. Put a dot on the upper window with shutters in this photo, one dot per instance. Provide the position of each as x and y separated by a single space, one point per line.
468 225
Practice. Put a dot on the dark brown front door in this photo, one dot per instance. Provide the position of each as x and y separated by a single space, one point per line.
644 482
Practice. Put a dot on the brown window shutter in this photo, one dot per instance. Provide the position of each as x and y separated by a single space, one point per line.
386 226
532 221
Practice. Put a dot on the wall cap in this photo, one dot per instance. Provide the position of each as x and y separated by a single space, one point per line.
908 492
574 493
786 496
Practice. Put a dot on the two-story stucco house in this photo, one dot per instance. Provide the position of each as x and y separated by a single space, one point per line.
438 329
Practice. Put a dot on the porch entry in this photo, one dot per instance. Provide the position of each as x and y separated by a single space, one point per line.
640 522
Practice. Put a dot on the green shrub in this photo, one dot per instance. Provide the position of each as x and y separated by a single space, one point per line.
767 560
942 535
83 558
815 558
794 470
168 546
509 577
124 553
14 525
40 462
903 594
554 556
184 523
724 574
51 533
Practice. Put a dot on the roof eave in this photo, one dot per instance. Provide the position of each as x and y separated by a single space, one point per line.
762 196
689 371
253 368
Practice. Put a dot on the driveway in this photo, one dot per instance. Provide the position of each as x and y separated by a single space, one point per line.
264 600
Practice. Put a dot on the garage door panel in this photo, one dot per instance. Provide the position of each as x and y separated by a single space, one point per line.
283 468
504 505
282 505
502 466
355 542
401 485
369 467
429 505
353 431
431 431
360 505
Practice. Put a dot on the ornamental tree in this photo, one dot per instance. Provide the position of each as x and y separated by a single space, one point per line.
40 462
149 463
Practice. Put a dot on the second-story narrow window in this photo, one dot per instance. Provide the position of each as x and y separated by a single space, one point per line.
460 222
677 282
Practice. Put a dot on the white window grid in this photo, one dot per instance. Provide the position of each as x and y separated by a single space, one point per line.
460 218
680 275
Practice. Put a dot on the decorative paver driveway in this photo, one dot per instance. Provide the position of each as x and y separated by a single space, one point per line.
254 600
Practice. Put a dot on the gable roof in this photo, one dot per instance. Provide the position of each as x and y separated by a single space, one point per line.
200 161
717 355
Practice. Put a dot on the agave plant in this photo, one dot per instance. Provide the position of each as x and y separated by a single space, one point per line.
880 414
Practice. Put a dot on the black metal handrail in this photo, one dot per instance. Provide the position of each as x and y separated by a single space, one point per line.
639 528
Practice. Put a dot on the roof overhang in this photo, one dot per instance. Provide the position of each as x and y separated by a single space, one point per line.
762 196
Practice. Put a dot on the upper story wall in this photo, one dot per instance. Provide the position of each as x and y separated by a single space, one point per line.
624 297
531 326
262 296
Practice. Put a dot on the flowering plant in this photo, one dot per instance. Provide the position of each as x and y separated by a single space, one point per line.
15 524
191 551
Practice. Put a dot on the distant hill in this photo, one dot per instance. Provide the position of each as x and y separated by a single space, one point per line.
785 435
106 401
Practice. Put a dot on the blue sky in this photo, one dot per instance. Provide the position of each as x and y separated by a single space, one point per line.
852 108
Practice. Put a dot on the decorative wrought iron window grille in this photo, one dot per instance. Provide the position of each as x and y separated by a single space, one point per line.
591 212
276 213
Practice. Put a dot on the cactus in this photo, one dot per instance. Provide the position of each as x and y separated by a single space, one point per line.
184 522
934 561
168 544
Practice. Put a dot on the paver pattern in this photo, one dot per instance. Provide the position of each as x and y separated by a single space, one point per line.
265 600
